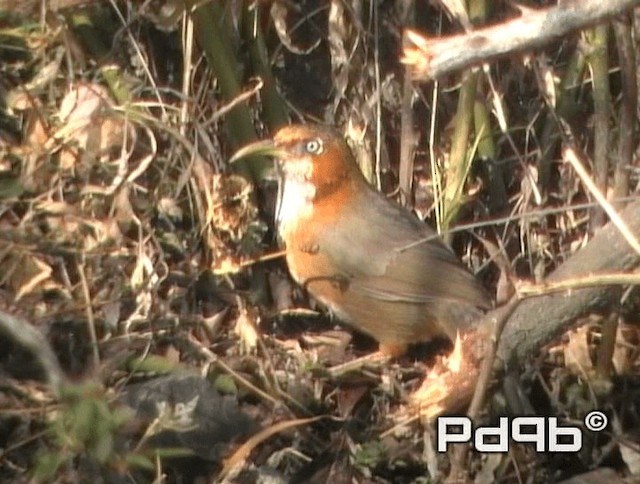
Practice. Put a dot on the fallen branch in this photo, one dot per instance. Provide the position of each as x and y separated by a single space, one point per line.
430 58
537 320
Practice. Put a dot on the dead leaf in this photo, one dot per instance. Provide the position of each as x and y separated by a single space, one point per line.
89 128
231 209
33 272
279 15
626 350
247 331
576 352
164 14
348 397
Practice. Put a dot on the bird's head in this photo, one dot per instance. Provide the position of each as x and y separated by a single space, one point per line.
307 154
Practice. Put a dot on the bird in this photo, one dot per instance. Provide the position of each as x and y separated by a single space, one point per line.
369 261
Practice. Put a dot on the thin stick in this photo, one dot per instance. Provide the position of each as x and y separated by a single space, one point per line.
486 370
91 323
569 155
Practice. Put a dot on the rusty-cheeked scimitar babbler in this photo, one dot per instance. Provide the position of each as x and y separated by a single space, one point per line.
360 254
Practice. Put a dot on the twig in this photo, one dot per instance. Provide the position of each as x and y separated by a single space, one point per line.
592 280
91 323
212 358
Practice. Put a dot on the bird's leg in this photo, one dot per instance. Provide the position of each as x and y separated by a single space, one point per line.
393 350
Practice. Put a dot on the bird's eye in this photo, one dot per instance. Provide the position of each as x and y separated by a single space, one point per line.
314 146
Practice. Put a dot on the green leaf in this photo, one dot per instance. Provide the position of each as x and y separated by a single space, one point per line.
139 460
10 188
152 364
225 384
47 465
172 452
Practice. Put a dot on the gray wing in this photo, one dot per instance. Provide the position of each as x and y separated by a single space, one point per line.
402 262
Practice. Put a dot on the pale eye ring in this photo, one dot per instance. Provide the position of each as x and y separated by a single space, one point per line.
314 146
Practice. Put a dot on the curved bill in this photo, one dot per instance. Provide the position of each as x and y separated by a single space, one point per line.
258 148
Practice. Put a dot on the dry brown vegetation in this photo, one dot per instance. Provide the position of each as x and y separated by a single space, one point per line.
148 326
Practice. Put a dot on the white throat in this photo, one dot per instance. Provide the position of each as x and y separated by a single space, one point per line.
295 197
